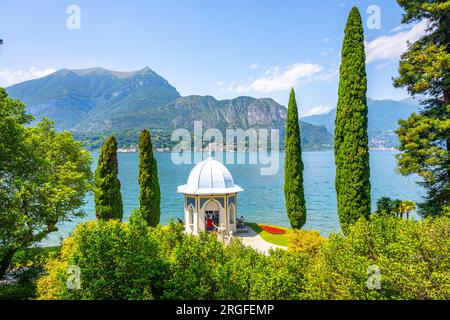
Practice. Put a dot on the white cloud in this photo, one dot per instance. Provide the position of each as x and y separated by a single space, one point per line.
392 47
317 111
10 77
254 66
383 65
279 79
327 52
401 27
326 40
327 75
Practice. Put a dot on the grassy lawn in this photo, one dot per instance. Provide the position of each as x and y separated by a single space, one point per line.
279 239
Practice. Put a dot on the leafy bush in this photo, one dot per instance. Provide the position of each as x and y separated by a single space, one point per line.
28 265
117 261
192 268
413 258
302 241
134 261
238 273
16 291
280 276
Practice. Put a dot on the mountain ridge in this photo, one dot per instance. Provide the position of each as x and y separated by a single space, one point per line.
70 97
100 100
383 120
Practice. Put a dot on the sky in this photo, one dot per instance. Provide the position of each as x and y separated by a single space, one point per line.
222 48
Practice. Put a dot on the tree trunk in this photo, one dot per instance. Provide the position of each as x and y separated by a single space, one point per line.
5 262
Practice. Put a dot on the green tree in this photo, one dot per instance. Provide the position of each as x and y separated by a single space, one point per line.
149 196
390 207
14 168
107 196
44 176
351 147
293 168
425 137
385 206
406 207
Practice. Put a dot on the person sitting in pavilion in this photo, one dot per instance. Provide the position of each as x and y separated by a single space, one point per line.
210 224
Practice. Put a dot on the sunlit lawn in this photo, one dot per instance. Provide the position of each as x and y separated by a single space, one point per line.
278 239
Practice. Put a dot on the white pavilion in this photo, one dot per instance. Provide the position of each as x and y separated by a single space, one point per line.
210 196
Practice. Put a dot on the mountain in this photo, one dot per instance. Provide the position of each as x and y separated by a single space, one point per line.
71 97
383 120
242 112
93 102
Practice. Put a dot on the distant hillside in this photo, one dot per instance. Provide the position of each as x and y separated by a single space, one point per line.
94 102
383 120
242 112
72 97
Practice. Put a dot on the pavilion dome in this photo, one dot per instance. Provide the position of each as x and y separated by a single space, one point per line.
209 177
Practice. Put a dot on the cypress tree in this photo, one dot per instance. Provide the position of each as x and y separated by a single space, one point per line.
107 197
351 145
293 168
149 196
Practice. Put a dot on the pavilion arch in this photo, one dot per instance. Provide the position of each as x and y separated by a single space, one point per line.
191 219
214 206
208 206
232 214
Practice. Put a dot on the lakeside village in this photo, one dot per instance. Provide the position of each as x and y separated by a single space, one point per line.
238 141
215 147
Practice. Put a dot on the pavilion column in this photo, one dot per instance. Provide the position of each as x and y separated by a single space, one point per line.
195 222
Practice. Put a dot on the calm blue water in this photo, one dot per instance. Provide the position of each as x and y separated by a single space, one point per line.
263 199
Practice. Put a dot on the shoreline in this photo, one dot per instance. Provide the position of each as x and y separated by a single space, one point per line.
282 151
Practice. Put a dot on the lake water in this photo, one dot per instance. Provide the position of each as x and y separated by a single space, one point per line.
263 198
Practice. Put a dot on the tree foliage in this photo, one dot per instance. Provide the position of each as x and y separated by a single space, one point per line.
351 147
117 261
44 176
149 196
129 260
413 258
302 241
425 70
399 208
107 196
293 168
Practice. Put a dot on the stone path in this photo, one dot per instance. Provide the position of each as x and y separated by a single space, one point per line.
252 239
